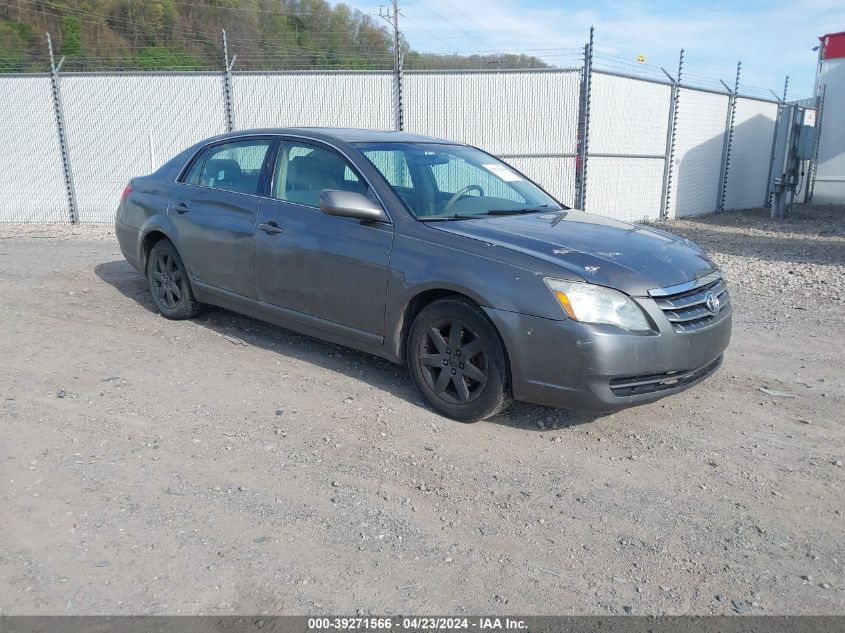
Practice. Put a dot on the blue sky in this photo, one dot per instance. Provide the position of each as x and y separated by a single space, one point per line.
772 38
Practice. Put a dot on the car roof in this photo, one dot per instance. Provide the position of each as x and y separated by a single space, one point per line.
345 134
331 135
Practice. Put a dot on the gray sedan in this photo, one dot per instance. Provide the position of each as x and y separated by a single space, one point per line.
430 253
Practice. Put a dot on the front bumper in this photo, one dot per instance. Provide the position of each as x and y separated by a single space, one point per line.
604 368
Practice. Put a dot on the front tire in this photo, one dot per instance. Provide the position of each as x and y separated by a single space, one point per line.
169 284
457 361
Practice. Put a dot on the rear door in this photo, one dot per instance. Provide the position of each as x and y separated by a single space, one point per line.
328 267
214 212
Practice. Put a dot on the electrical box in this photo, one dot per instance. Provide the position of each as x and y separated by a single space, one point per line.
806 145
809 117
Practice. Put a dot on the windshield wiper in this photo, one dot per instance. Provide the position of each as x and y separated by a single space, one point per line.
476 216
542 207
444 218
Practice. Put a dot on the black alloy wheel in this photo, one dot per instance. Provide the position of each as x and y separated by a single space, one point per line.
453 360
169 283
457 360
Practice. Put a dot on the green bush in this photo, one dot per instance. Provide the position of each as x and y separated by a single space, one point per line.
72 37
163 58
24 31
12 48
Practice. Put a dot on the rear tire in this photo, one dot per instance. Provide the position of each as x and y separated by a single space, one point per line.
457 361
169 284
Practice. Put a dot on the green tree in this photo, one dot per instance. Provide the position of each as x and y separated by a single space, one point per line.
179 34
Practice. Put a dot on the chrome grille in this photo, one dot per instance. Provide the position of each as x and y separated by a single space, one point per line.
685 305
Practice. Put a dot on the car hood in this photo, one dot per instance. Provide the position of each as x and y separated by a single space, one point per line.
600 250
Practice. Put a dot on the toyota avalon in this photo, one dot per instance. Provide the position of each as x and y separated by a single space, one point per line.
433 254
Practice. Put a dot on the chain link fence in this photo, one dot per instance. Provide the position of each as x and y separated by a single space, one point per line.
528 118
699 144
119 126
655 147
332 98
751 151
33 189
629 119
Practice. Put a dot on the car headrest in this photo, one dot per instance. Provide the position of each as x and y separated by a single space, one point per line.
230 169
317 170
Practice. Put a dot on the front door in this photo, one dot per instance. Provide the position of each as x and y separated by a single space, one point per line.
214 212
328 267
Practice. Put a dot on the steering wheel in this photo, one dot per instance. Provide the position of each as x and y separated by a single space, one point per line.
461 192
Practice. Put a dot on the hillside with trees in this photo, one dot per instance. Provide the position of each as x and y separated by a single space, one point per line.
183 35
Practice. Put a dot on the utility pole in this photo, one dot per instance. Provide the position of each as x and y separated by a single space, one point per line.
395 19
391 14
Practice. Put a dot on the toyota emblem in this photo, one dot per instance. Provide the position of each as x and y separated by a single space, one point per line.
712 302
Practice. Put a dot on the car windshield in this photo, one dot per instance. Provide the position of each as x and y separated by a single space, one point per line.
441 181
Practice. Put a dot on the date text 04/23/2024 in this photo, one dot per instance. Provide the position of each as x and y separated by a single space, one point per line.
416 624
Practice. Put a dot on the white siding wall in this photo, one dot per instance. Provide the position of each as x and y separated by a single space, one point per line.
830 176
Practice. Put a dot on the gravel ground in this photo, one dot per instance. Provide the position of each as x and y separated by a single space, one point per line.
787 274
223 465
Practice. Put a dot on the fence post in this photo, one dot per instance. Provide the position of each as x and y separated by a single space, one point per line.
767 202
729 137
670 138
398 101
584 127
60 128
811 169
228 105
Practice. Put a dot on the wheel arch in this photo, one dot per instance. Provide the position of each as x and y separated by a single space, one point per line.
152 233
426 297
150 239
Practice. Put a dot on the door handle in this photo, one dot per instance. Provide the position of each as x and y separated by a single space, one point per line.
270 227
182 207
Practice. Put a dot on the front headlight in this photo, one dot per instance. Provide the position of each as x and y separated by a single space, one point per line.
596 304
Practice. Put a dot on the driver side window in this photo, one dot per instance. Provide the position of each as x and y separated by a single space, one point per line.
456 174
303 170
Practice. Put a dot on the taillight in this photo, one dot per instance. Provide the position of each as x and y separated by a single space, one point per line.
126 191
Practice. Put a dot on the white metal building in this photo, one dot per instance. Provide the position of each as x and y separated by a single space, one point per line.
830 172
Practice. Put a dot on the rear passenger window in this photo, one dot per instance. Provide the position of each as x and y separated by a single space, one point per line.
192 176
235 166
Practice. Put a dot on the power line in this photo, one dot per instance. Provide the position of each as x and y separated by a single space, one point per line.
424 30
471 19
446 20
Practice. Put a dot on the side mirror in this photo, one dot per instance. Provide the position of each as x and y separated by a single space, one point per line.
349 204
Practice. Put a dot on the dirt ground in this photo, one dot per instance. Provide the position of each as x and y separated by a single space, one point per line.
223 465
